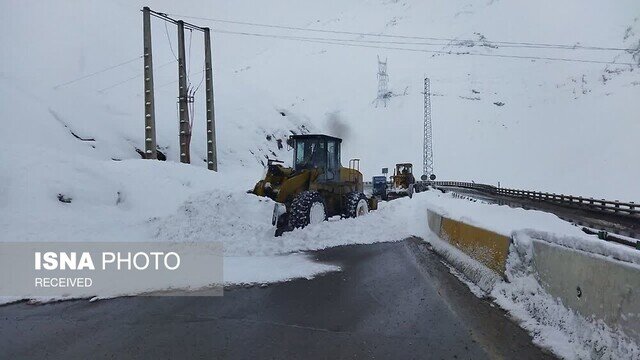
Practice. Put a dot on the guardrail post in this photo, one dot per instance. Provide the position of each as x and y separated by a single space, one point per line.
601 205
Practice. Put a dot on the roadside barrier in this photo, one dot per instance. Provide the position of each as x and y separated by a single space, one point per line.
577 202
602 283
487 247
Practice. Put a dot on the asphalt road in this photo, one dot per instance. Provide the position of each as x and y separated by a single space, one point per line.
391 301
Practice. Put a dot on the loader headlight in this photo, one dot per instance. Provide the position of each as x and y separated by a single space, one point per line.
278 209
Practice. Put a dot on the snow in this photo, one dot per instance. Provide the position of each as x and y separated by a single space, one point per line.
237 270
242 222
564 127
551 324
541 225
212 207
556 115
141 200
476 276
269 269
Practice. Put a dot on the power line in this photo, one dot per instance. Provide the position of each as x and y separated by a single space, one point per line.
164 16
444 52
201 79
504 43
175 81
98 72
133 77
189 60
166 30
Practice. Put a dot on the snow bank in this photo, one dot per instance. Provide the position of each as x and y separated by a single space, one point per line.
268 269
541 225
139 200
590 244
551 323
242 222
497 218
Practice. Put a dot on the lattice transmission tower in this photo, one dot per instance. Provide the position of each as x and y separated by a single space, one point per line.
383 82
427 161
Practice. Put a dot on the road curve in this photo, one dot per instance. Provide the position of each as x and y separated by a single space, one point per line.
392 300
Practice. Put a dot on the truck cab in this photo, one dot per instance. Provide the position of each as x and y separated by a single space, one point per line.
379 187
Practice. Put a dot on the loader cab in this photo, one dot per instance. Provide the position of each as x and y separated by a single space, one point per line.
317 152
404 169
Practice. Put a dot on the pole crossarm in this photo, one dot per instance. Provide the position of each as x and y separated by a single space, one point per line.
166 17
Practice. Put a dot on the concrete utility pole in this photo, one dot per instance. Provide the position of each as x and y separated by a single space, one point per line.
427 162
186 96
149 110
212 156
185 128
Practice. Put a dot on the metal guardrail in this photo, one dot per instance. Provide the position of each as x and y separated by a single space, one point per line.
599 205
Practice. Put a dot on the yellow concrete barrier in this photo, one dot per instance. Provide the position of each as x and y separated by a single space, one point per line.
489 248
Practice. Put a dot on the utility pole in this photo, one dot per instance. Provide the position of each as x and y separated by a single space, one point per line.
427 162
185 128
212 156
149 110
186 95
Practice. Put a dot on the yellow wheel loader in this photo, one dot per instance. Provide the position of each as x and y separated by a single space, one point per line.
402 182
317 187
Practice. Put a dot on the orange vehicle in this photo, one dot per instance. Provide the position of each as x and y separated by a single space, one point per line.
402 182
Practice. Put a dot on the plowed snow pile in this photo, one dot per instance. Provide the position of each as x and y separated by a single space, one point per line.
243 223
551 324
72 116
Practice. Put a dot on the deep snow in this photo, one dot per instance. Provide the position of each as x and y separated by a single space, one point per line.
252 255
565 127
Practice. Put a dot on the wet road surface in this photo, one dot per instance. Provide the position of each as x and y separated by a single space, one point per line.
391 301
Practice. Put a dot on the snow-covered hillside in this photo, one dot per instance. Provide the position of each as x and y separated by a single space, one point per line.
560 126
71 131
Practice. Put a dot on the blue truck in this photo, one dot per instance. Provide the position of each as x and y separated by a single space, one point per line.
379 187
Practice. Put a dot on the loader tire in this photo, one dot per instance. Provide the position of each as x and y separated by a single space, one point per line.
307 207
356 205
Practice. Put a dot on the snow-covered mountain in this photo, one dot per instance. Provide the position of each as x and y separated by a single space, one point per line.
552 125
535 95
562 126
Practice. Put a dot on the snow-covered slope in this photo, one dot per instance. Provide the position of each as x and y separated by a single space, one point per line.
551 125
